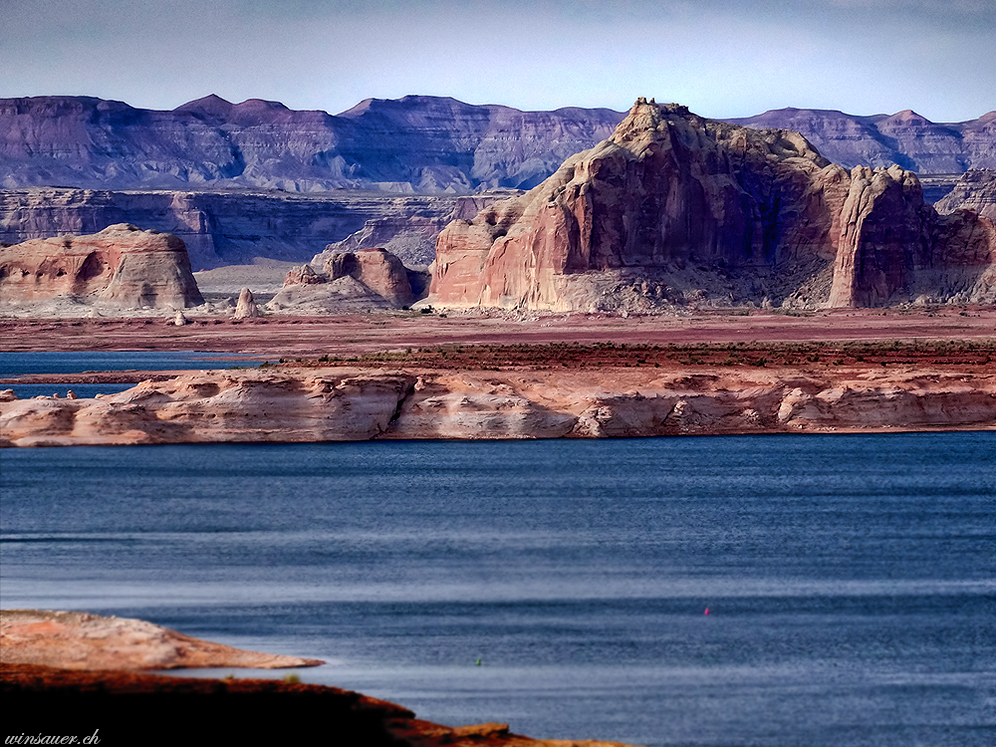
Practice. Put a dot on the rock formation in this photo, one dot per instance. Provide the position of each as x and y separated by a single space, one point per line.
892 244
232 227
377 269
82 641
674 208
377 144
411 236
246 307
349 281
417 143
289 405
974 190
121 267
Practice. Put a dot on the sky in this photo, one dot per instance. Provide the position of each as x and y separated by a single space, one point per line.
721 58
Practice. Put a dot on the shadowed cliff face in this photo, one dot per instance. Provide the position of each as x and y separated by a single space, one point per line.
683 208
224 228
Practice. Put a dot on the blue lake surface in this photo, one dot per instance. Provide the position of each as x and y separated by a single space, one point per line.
850 580
70 364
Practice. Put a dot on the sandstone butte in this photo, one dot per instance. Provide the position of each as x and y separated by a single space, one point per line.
83 670
371 278
120 267
675 208
300 404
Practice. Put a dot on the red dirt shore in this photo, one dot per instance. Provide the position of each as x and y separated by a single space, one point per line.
290 337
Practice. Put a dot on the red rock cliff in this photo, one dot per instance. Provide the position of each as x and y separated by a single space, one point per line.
675 207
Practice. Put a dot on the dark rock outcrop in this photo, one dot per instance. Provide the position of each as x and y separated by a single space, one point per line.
121 266
677 208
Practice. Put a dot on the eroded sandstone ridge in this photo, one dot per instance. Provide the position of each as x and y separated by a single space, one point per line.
335 404
892 247
120 267
676 209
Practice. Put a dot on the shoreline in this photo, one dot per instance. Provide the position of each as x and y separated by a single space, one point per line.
82 670
378 377
322 403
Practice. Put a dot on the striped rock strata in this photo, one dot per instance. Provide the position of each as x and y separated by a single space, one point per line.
295 405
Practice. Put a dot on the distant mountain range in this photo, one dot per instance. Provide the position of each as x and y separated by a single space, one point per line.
906 139
414 144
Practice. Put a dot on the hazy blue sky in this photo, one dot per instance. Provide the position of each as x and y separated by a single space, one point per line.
723 58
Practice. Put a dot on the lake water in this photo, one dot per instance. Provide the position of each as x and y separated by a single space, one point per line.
71 364
850 580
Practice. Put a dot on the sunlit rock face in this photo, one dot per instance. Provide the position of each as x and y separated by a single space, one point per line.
310 405
674 208
121 266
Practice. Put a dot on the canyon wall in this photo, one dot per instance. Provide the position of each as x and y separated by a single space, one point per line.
974 190
225 228
324 180
676 209
287 405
